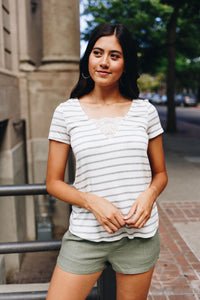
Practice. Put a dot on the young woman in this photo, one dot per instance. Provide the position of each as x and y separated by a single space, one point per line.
120 171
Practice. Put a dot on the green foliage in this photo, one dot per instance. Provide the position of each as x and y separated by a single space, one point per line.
148 21
188 73
150 83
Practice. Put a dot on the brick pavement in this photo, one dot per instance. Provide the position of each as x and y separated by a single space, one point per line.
177 273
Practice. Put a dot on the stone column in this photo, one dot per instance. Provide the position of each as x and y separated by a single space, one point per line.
30 34
61 35
51 83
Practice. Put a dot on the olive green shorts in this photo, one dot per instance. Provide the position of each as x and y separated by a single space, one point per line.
127 256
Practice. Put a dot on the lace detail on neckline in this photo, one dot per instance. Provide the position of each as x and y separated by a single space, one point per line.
108 126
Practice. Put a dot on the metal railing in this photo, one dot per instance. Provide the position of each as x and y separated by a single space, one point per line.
106 285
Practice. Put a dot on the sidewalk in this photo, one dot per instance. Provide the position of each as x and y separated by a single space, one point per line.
177 273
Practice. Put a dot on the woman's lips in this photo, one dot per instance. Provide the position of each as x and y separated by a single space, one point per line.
103 73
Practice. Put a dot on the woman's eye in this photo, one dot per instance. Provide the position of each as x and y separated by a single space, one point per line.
96 52
115 56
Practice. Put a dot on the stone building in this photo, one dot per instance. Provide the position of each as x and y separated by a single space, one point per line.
39 56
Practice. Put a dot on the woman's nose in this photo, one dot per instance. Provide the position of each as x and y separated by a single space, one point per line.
104 62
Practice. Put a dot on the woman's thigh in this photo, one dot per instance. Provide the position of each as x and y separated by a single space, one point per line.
69 286
133 286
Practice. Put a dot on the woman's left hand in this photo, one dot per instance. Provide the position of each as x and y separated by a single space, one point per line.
140 211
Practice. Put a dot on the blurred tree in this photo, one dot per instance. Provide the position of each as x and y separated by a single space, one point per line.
147 82
162 29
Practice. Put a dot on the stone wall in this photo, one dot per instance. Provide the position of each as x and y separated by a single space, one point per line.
12 210
38 74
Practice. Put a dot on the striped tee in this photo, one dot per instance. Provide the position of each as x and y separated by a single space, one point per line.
115 167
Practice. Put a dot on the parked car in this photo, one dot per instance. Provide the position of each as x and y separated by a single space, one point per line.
164 99
186 100
179 100
145 95
189 100
156 99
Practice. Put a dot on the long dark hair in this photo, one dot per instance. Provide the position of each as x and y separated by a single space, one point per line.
128 81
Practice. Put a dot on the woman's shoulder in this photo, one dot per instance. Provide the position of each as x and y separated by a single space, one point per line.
144 105
140 102
69 103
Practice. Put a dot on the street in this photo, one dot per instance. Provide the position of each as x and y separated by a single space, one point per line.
186 114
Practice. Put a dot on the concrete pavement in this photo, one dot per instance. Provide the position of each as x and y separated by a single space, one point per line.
182 152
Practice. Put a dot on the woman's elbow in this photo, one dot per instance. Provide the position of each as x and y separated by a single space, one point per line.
48 186
165 179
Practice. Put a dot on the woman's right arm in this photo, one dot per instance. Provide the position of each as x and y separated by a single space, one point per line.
56 165
108 215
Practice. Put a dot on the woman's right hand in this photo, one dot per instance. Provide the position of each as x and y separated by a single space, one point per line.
106 213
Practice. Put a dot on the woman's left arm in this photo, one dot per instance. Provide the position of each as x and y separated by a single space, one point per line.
142 207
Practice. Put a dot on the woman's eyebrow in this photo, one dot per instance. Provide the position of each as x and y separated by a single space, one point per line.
116 51
112 51
97 48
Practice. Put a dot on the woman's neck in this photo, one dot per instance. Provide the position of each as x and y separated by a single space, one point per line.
106 96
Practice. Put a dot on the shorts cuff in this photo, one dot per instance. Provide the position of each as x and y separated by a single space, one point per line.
132 271
81 270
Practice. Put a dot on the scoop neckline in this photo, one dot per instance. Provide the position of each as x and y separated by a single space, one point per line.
93 119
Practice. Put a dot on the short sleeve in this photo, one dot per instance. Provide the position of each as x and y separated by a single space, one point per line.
154 125
58 129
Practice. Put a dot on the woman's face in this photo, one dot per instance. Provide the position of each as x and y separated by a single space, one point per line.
106 61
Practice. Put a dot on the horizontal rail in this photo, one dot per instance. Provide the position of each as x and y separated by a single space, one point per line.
40 295
22 190
32 246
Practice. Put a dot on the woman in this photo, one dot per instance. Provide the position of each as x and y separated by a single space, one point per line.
120 171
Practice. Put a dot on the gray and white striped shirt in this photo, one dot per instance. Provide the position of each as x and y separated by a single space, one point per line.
115 167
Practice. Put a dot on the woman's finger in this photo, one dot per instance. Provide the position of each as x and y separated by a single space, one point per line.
132 212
